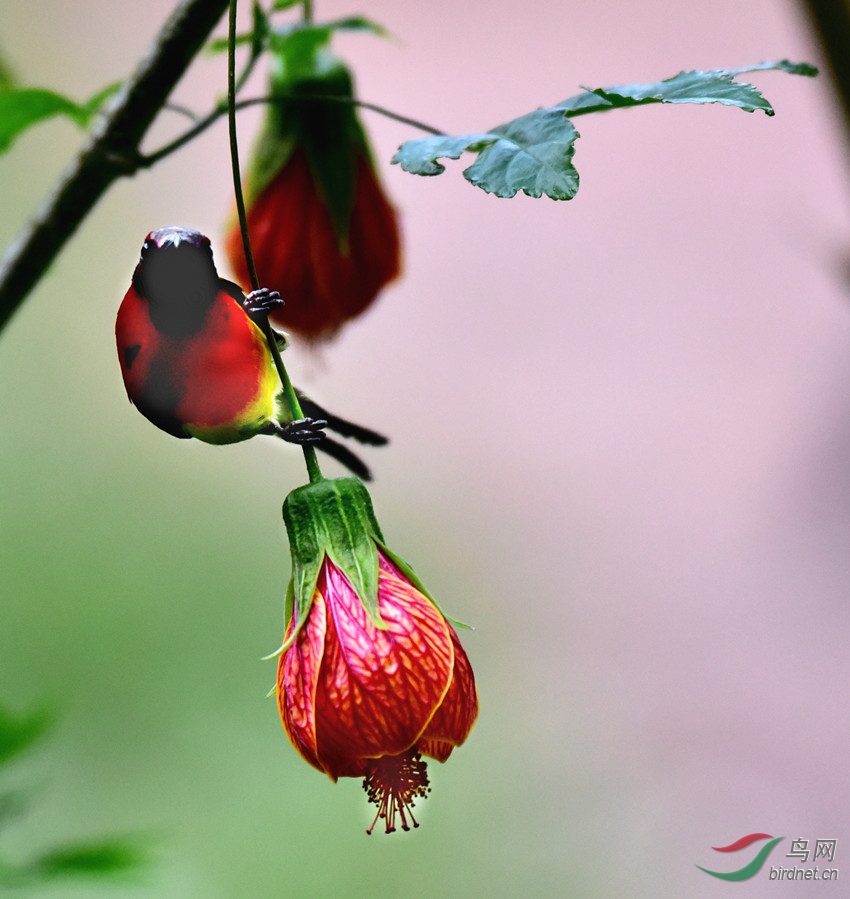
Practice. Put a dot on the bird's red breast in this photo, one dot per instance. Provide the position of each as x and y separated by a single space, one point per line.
217 384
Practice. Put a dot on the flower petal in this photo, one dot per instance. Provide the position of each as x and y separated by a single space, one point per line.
456 715
297 677
378 688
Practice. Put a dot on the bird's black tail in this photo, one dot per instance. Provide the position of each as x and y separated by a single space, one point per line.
340 425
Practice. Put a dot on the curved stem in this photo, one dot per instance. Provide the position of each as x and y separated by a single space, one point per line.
310 459
214 115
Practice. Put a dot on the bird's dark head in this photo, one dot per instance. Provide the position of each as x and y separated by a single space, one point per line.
176 275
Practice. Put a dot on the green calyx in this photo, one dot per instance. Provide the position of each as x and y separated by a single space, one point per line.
332 518
314 113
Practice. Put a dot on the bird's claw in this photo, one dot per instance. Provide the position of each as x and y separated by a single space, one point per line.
304 431
262 300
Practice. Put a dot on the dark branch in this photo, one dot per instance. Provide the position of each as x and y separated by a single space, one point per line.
110 152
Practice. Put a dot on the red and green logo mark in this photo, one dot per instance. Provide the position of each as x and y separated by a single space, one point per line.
752 868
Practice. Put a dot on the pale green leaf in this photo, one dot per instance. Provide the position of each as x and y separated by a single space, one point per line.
419 156
21 109
717 86
106 858
532 154
94 104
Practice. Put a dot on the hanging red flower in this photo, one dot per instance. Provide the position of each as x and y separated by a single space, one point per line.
322 231
372 676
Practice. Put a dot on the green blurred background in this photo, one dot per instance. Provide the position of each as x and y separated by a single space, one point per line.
620 449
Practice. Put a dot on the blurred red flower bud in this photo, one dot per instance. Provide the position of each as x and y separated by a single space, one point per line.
322 231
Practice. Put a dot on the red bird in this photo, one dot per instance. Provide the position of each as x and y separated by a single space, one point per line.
195 359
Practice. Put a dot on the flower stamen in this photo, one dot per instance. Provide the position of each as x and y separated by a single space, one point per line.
394 783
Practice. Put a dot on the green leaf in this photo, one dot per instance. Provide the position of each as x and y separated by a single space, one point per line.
717 86
311 34
21 109
532 154
219 44
19 732
357 23
94 104
90 859
260 31
285 4
419 156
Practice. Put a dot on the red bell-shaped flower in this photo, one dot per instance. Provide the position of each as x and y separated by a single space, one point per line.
367 686
322 231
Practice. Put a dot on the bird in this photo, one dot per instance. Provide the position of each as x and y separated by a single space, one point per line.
195 359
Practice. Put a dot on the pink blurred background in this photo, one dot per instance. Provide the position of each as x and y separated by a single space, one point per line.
621 438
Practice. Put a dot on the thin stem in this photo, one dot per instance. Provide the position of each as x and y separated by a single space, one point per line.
310 459
234 146
213 116
307 10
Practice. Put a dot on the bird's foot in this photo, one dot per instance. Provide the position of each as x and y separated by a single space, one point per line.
303 431
262 301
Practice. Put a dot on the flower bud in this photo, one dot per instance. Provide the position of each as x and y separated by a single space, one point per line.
371 675
322 231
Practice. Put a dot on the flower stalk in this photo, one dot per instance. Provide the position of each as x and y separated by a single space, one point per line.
310 459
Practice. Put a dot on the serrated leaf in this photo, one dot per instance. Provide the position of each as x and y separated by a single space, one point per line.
419 156
690 87
716 86
532 154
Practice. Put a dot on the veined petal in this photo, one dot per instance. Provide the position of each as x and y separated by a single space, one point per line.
378 688
297 678
456 715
